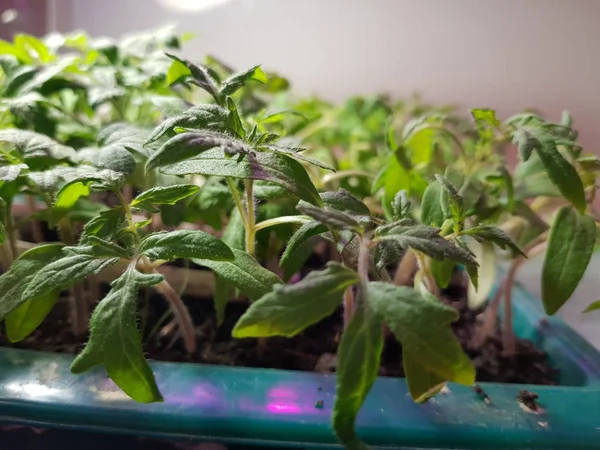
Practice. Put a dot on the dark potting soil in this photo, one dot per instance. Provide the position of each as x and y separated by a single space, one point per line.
313 349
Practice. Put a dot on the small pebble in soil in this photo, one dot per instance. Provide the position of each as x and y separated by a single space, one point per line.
482 395
529 400
319 404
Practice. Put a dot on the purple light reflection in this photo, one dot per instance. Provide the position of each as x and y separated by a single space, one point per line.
283 400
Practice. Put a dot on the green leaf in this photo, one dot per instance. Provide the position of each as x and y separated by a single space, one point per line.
235 82
422 325
302 234
486 276
171 245
531 180
177 71
559 170
289 309
495 235
296 153
401 206
31 44
570 247
235 122
14 282
485 116
392 178
442 272
456 203
2 233
594 306
423 383
359 356
202 117
199 75
244 272
72 191
333 218
107 248
235 234
221 297
23 320
163 195
431 206
191 144
271 167
115 340
105 225
427 240
342 200
32 145
65 272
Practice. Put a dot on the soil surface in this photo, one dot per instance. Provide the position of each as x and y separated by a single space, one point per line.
314 349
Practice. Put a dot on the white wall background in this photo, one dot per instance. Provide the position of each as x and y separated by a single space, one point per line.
506 54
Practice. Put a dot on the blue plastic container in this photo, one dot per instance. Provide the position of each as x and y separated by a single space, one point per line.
281 409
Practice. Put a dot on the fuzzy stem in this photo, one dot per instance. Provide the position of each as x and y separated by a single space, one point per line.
405 269
509 342
10 232
281 220
36 227
348 305
250 224
429 278
237 199
79 306
182 316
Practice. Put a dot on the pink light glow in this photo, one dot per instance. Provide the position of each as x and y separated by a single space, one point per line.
283 408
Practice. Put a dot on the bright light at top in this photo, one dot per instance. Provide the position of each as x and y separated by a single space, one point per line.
191 5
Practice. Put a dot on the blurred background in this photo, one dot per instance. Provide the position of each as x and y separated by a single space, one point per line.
502 54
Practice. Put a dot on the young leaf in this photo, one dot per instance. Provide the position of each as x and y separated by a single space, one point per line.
457 211
559 170
296 153
271 167
14 282
485 116
431 207
24 319
171 245
342 200
359 356
199 74
427 240
442 272
244 272
191 144
401 206
422 325
495 235
302 234
163 195
289 309
107 248
115 340
232 84
592 307
570 248
337 220
65 272
234 120
423 383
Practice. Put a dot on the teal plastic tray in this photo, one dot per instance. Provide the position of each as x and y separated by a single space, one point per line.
278 409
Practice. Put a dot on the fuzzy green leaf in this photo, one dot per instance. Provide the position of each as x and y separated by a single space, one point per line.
115 340
234 119
359 356
14 282
163 195
401 206
296 153
333 218
244 272
570 248
302 234
289 309
342 200
431 206
422 325
485 116
495 235
107 248
199 75
271 167
559 170
455 201
23 320
65 272
236 81
191 144
202 117
32 145
427 240
423 383
171 245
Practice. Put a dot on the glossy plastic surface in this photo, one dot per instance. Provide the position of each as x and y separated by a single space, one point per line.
282 409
